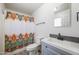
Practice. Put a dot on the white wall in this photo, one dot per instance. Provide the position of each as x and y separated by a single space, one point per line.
1 29
46 13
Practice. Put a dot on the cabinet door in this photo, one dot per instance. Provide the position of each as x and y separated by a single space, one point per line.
51 52
44 51
48 51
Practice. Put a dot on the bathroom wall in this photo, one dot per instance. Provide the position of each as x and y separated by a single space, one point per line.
1 29
46 13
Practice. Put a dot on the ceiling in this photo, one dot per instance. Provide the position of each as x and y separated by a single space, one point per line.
27 8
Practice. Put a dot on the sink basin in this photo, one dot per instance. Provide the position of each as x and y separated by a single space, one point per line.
56 41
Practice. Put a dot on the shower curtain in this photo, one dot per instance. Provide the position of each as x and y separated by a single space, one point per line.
19 30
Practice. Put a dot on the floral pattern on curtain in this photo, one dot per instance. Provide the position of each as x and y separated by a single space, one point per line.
19 31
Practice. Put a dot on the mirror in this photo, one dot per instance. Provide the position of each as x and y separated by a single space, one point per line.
62 15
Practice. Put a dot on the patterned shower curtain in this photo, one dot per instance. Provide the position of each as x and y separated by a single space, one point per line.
19 31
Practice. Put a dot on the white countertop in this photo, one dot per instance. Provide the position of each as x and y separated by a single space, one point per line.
70 47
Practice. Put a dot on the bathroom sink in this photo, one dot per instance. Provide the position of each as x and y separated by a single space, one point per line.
63 43
55 41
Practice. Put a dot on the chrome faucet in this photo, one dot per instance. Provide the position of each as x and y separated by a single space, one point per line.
59 36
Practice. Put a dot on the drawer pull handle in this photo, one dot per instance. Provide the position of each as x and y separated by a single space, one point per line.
46 46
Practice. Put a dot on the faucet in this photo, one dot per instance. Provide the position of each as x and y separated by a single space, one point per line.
59 36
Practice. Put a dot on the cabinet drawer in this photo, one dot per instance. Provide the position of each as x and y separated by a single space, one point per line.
53 49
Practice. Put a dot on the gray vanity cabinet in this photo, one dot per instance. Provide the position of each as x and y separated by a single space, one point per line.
51 50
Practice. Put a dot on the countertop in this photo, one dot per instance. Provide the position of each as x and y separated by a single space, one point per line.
70 47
